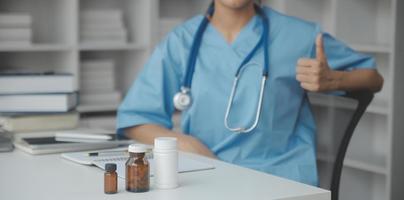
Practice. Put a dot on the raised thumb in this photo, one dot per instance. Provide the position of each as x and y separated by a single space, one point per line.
320 52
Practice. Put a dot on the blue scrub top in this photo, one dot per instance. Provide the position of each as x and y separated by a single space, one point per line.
283 143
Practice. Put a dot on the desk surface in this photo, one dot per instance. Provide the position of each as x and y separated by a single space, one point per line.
24 176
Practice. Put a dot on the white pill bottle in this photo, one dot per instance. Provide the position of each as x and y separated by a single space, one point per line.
165 156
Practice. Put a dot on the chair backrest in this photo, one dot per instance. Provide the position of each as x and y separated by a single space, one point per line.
336 118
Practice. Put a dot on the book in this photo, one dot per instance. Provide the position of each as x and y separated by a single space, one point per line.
97 86
100 97
38 102
99 107
17 122
18 82
116 33
15 20
104 40
101 15
101 63
106 66
101 23
15 34
85 138
107 122
99 74
101 26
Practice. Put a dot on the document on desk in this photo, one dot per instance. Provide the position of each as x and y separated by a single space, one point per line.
185 164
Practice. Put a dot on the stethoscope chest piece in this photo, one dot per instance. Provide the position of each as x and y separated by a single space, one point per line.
182 100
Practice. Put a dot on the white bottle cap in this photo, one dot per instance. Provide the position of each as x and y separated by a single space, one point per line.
137 148
165 143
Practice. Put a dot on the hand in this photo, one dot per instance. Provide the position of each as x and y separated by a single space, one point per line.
315 75
192 145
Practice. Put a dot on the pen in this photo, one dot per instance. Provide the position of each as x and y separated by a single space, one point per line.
106 153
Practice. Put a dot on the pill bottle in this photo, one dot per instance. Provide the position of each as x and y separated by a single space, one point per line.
110 179
137 169
165 157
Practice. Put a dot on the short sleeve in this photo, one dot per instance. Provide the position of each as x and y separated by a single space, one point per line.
149 100
343 58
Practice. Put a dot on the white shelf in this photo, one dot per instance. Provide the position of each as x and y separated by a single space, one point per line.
365 166
378 107
167 24
319 11
107 47
369 141
362 185
136 16
330 101
36 47
182 8
357 164
52 21
371 48
364 22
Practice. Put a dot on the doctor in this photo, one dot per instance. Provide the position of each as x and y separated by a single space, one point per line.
281 56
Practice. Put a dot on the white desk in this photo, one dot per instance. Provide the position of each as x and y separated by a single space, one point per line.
23 176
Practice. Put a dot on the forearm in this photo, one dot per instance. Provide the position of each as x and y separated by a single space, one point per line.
361 79
148 132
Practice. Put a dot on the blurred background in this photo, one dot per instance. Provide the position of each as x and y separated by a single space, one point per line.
103 44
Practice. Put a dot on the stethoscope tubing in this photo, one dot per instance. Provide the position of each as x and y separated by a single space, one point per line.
258 111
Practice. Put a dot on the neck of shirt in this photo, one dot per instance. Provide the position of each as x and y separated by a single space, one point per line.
229 21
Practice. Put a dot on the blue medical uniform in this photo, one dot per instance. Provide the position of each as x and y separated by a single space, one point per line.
283 143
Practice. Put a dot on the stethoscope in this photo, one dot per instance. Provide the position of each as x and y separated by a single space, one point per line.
182 100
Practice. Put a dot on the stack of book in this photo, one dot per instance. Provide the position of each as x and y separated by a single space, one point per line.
98 84
102 26
36 101
15 29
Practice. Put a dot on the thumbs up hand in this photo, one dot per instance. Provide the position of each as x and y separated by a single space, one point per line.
314 74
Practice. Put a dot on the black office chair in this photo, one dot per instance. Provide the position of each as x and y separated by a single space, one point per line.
336 118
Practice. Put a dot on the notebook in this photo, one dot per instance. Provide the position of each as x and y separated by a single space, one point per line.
120 156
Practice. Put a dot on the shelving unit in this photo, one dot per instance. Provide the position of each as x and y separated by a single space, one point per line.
56 44
374 162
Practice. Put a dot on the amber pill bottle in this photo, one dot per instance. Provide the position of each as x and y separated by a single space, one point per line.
137 169
110 179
